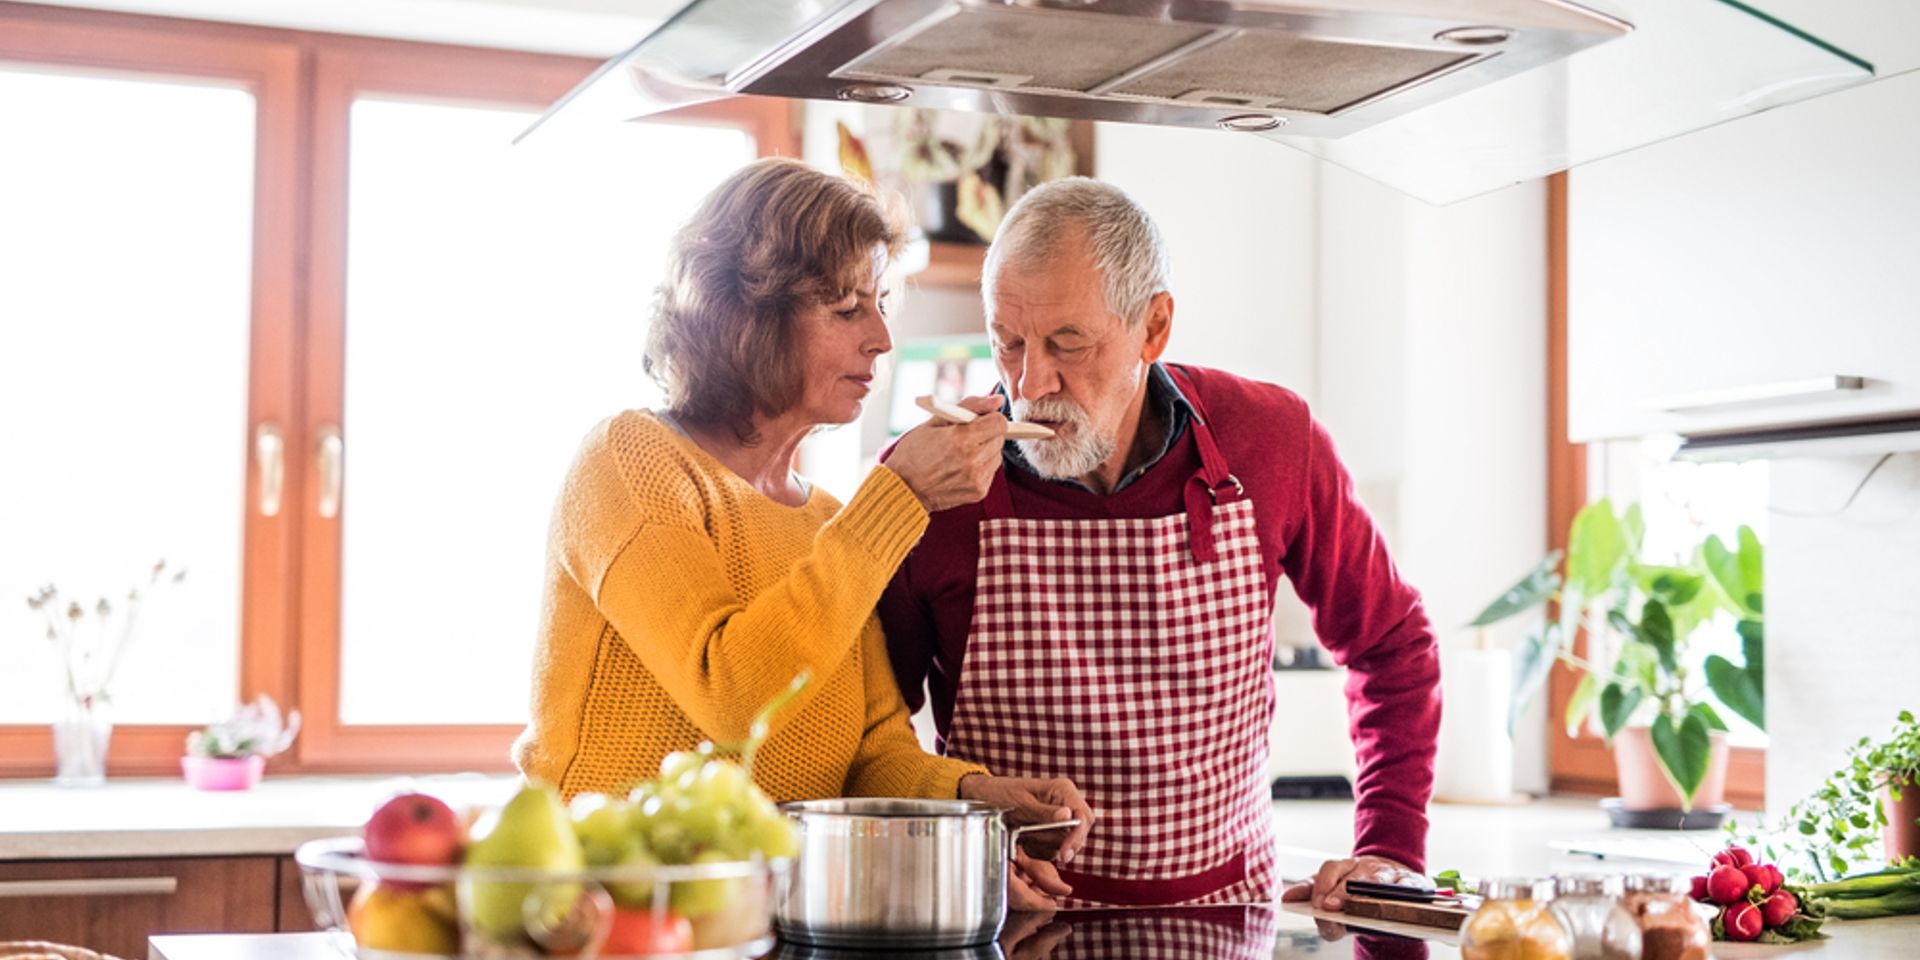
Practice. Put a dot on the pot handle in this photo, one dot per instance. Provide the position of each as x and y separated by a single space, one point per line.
1013 835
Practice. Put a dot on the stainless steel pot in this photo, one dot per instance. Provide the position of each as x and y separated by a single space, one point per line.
882 872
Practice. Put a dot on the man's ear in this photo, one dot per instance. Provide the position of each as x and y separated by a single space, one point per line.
1159 324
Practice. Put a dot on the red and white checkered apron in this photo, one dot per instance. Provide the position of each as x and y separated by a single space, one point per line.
1133 656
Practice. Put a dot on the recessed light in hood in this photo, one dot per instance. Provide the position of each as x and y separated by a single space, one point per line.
1440 99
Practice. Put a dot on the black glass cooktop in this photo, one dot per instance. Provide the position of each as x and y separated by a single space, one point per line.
1199 933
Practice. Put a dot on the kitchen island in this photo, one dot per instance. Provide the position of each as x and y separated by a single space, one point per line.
1231 933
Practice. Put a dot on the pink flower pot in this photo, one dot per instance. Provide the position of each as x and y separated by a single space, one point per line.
222 773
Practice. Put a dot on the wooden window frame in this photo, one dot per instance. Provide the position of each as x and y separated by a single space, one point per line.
304 84
1583 763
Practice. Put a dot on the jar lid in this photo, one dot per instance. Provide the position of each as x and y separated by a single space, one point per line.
1657 883
1516 888
1588 885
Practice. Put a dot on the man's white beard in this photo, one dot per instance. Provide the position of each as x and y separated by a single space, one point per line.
1071 453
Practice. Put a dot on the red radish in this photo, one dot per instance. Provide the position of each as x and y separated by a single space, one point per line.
1699 891
1727 884
1779 908
1742 921
1735 856
1762 875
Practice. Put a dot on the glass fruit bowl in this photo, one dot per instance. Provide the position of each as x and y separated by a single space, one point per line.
719 910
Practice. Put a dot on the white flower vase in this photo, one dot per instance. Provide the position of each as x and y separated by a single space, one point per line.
80 739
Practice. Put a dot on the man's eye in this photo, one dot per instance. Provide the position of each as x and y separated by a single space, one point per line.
849 313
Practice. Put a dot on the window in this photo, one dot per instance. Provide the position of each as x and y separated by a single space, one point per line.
334 360
1681 504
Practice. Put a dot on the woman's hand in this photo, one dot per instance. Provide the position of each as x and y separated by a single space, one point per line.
952 464
1030 801
1033 885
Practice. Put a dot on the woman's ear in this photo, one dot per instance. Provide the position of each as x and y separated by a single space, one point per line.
1159 324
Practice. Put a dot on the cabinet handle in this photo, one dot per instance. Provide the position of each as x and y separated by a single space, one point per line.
331 449
1757 393
91 887
269 449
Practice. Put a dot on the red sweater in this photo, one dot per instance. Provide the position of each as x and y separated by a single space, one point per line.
1313 531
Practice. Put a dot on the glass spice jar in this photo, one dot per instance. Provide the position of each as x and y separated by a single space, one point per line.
1599 923
1670 928
1513 923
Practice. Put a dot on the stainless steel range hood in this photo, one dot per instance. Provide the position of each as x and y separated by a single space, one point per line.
1443 100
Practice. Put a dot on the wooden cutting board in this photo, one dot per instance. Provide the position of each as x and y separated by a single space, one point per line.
1446 916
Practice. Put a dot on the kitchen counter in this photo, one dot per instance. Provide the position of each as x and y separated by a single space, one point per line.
1214 933
167 818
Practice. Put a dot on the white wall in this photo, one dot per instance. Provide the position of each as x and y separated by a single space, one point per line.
1238 214
1843 616
1432 351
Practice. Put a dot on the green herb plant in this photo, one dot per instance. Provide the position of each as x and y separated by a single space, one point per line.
1652 609
1837 828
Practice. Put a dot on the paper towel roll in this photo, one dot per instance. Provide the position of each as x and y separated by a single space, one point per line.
1475 761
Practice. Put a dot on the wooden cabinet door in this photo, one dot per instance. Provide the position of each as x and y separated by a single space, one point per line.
113 906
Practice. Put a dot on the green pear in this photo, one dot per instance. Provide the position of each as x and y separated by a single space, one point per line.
533 832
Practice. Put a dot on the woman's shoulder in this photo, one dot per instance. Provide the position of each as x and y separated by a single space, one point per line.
640 458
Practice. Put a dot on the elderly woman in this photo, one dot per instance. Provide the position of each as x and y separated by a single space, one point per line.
691 574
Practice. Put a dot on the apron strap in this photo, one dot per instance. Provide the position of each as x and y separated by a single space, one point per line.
999 500
1211 485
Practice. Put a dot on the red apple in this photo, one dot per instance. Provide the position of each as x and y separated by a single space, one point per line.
1742 921
415 828
645 933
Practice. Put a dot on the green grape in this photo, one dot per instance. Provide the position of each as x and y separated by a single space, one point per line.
697 898
707 824
770 834
634 892
604 826
683 764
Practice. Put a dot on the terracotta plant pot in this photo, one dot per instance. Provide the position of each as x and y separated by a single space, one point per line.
222 773
1901 834
1644 785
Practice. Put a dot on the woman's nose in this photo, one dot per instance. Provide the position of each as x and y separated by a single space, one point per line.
879 337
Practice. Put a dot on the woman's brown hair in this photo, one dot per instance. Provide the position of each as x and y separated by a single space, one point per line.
773 239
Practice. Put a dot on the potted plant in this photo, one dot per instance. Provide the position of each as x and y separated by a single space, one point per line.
232 754
1669 741
1865 815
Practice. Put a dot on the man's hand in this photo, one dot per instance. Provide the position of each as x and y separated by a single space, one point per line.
1328 890
1032 801
1032 935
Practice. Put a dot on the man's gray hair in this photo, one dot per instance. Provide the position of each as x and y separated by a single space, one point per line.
1125 245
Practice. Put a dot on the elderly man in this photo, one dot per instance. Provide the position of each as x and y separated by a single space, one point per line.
1104 614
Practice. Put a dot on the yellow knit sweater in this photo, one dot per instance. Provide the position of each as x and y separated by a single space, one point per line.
679 600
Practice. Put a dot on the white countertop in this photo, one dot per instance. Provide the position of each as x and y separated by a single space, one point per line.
164 817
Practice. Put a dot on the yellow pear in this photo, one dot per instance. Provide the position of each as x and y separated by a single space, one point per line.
532 832
404 920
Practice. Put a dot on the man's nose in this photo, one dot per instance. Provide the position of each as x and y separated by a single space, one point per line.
1039 375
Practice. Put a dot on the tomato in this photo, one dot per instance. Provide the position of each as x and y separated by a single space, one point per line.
644 933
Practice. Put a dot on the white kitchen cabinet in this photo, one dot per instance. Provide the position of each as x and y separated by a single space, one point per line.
1765 253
